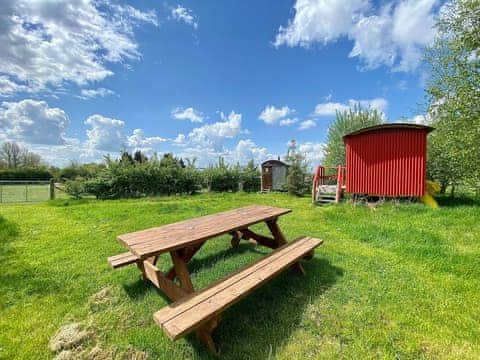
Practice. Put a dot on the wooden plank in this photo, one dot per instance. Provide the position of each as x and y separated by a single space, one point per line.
181 270
182 234
123 259
187 315
231 279
260 239
187 255
168 287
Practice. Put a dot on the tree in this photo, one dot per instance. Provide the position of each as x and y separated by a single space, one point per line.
13 156
29 159
297 177
10 153
454 96
344 123
169 160
139 157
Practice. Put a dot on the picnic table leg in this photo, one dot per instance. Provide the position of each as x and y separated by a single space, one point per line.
280 240
183 275
153 260
181 270
186 255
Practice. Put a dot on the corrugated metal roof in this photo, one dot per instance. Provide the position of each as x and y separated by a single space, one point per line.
390 126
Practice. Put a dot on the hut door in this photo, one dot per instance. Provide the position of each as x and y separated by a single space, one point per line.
267 178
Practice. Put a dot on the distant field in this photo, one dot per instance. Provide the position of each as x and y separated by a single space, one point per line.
398 282
26 193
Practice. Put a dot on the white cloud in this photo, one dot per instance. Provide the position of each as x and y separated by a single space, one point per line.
9 88
106 134
320 21
181 13
180 140
138 141
214 133
270 115
419 119
92 93
47 43
307 124
208 142
392 35
187 114
241 153
288 121
33 121
313 152
330 108
246 150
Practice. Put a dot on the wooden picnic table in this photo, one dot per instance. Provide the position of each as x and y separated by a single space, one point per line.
199 311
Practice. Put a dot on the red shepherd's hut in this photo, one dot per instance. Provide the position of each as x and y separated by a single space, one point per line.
387 160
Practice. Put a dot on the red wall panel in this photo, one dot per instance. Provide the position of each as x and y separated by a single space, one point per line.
387 162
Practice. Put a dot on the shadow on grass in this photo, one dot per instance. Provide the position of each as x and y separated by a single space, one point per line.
265 319
138 289
256 326
454 201
197 265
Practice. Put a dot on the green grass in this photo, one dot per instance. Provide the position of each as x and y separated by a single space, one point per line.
401 282
23 193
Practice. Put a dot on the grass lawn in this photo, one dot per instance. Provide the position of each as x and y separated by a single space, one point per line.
399 282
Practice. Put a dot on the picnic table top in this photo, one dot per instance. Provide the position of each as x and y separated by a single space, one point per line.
154 241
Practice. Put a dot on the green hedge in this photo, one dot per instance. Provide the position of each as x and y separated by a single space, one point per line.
25 174
138 181
131 180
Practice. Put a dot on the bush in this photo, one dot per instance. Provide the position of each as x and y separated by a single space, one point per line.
251 180
221 179
75 188
74 171
130 181
25 174
298 180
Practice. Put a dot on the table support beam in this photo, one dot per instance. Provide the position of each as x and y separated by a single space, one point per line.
260 239
281 240
186 255
167 286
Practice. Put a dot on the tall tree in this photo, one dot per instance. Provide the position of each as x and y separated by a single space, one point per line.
10 154
454 95
344 123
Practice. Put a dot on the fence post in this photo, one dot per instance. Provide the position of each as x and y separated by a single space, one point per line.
52 189
338 194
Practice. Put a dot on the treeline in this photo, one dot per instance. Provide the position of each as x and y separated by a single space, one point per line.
18 163
136 175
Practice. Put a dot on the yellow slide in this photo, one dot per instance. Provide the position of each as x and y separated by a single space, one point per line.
432 189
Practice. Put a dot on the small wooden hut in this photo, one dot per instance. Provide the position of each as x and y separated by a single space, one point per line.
274 175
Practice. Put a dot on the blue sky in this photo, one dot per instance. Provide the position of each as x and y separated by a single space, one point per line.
239 79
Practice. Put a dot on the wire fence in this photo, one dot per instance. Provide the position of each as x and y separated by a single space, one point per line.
26 190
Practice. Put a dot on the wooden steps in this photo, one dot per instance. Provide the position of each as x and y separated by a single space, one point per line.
123 259
188 314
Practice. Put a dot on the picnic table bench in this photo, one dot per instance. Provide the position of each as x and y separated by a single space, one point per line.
200 311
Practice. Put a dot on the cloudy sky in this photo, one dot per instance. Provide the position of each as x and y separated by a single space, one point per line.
80 78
